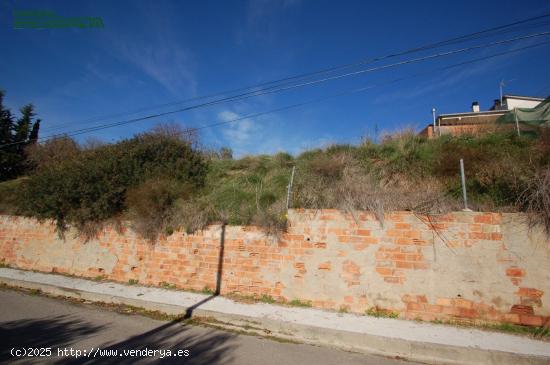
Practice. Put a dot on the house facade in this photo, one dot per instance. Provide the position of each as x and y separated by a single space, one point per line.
476 121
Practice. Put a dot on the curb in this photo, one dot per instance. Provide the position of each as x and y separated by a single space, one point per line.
430 353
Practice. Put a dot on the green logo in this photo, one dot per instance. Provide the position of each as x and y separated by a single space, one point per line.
47 19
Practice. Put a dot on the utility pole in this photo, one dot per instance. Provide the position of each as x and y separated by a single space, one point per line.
433 117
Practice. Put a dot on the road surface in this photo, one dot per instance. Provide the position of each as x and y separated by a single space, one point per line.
57 330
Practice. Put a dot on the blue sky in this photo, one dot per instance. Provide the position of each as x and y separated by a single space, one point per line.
155 52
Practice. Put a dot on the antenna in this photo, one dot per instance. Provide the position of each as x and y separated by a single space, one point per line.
501 86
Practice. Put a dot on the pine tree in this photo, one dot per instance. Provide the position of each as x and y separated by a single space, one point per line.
33 137
23 126
6 123
14 137
8 157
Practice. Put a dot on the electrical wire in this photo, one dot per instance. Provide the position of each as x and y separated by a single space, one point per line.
292 106
459 39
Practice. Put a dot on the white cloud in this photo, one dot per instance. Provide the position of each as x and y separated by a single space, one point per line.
165 62
157 51
239 135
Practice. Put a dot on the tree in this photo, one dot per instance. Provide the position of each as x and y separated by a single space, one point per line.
6 123
23 125
15 136
8 158
33 136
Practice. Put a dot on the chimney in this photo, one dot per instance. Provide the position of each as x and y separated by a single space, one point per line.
475 107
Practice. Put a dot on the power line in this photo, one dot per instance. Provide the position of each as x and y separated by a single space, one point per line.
292 106
249 95
459 39
250 116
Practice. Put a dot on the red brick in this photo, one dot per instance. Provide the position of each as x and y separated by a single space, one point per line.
412 234
384 271
414 257
415 306
402 226
529 292
529 320
434 308
496 236
522 309
444 302
468 313
404 265
404 241
483 218
324 266
421 299
338 231
515 271
474 227
398 256
479 236
394 233
462 303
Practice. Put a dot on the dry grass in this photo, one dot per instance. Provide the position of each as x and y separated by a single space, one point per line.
535 199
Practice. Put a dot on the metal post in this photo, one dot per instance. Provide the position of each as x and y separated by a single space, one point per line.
290 188
463 178
517 122
433 117
500 86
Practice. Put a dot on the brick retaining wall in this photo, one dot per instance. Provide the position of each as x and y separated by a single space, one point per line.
464 265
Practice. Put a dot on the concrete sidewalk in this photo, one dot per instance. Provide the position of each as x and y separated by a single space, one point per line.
424 342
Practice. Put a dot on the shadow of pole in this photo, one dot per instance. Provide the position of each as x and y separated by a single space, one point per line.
220 262
219 277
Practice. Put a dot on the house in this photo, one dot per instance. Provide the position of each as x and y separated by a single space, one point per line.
509 102
477 121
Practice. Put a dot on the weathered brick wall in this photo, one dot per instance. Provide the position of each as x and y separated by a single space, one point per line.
463 265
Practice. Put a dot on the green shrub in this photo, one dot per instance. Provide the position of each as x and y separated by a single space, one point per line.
91 187
8 195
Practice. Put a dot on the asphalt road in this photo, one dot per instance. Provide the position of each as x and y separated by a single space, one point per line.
30 322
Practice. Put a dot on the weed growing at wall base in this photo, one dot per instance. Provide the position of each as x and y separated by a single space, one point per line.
381 313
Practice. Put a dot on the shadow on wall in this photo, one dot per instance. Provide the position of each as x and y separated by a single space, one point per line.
53 332
219 278
67 332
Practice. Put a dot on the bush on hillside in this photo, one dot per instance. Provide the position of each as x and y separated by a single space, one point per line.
150 204
92 186
162 183
51 152
535 199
